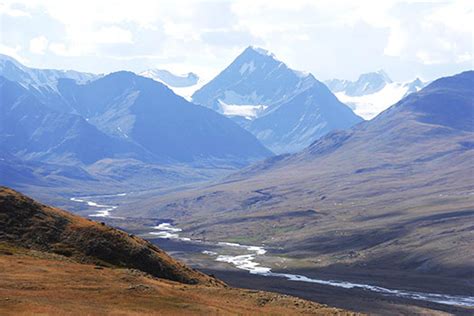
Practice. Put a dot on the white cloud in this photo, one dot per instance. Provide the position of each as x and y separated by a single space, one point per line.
12 52
7 9
38 45
327 37
111 35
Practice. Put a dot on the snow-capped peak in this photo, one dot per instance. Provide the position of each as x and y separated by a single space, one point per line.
261 51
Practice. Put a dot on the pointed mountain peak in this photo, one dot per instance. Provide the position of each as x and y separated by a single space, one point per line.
258 50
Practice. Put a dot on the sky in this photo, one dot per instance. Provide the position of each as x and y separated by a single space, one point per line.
330 39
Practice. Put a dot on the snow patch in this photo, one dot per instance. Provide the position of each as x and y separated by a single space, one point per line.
370 105
249 111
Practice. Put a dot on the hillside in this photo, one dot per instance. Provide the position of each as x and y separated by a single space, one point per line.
392 196
27 223
54 262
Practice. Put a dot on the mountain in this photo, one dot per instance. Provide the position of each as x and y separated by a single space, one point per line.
49 116
38 78
257 90
78 266
42 83
306 117
372 92
34 131
170 79
150 115
254 78
389 198
366 84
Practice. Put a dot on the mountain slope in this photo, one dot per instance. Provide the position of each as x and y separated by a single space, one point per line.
146 112
57 263
32 130
29 224
258 91
42 83
392 195
297 123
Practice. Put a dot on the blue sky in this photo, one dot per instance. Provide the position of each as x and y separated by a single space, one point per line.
331 39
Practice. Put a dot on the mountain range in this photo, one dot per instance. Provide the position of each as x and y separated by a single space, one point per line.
284 108
372 92
58 115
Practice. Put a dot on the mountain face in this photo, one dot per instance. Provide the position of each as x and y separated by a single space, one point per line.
400 183
372 93
42 83
306 117
34 131
256 90
38 78
150 115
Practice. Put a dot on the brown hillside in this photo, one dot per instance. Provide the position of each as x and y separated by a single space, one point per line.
27 223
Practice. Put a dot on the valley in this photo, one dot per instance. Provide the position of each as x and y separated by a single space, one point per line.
263 190
268 269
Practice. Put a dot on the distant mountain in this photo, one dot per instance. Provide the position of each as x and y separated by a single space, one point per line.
170 79
34 131
400 183
372 93
257 90
42 83
366 84
182 85
149 114
306 117
38 78
56 116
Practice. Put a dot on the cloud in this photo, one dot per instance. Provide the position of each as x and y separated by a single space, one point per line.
12 52
329 38
38 45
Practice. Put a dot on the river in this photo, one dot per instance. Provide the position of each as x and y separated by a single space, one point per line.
245 257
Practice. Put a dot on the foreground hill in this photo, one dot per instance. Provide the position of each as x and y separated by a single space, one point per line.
392 196
54 262
27 223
